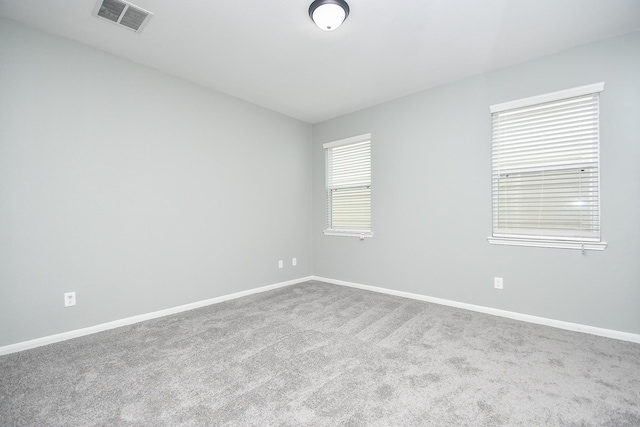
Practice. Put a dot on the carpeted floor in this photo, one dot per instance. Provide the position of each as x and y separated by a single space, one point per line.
323 355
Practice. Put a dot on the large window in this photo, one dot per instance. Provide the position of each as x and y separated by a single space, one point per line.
348 163
546 171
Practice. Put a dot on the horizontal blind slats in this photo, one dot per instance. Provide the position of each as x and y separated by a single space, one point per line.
510 129
349 187
545 178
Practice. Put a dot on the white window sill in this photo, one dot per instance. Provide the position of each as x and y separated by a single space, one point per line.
349 233
557 244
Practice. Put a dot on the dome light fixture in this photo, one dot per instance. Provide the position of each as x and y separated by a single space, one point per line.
328 14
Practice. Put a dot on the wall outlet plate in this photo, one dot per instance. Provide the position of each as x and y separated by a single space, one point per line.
498 282
69 299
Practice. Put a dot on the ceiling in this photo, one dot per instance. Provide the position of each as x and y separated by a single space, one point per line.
271 54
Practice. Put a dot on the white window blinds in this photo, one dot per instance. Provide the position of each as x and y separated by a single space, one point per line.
545 167
348 164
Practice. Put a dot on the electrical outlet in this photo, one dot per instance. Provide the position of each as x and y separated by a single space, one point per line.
280 264
497 282
69 299
294 261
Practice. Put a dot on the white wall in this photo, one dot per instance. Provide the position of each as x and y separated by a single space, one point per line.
432 197
137 190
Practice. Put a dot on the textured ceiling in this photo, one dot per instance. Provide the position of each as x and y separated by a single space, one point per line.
271 54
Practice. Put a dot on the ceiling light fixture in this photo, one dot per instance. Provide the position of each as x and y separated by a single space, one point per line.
328 14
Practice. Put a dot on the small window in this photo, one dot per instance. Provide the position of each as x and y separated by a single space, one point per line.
348 163
546 171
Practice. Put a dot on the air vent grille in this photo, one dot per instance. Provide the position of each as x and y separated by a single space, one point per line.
122 13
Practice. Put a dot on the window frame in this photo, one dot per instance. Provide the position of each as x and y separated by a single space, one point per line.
543 238
355 232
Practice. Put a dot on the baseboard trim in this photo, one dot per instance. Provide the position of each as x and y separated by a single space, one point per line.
38 342
575 327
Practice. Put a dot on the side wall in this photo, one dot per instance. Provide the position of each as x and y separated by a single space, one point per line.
136 190
432 196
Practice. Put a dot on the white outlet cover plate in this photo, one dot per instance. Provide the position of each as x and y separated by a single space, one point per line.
69 299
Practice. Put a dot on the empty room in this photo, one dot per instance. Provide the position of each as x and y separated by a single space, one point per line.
320 213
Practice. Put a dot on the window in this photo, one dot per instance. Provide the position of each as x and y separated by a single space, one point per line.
545 170
348 164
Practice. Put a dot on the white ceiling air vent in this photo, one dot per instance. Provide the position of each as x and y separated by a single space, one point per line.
122 13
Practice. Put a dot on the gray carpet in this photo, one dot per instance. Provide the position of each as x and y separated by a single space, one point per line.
323 355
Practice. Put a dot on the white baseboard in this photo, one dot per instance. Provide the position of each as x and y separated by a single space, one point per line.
26 345
576 327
